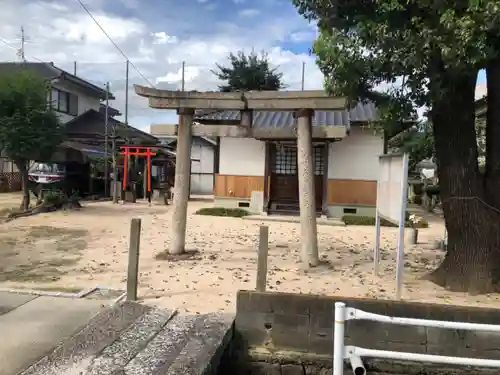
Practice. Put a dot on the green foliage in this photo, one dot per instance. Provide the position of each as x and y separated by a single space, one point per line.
251 72
432 190
417 141
29 128
370 221
220 211
364 43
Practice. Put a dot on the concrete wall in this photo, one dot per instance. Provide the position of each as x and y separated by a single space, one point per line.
242 157
299 328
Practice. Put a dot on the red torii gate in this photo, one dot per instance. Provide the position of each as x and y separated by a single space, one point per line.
138 151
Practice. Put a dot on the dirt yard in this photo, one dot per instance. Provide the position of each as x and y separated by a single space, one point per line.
78 250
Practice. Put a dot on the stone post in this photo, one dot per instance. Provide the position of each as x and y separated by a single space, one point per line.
305 165
182 178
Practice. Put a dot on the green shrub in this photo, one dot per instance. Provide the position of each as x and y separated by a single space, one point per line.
221 211
370 220
418 188
432 190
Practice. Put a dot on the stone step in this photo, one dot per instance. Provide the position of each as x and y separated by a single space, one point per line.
204 350
75 355
130 343
163 349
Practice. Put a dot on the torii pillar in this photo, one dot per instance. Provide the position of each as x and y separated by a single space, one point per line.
182 180
307 193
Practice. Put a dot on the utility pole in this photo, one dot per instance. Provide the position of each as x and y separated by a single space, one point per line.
303 73
23 41
127 65
74 68
106 176
183 69
126 92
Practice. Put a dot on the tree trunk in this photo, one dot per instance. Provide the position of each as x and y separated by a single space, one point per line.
472 261
21 166
492 170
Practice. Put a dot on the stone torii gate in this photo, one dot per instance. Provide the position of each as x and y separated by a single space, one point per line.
303 103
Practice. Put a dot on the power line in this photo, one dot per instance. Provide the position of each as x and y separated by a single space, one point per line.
8 44
113 42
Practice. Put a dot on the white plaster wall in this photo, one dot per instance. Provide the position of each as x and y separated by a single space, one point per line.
242 157
356 156
202 171
85 102
204 152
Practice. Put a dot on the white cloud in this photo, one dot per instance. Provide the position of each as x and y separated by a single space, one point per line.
250 12
481 90
163 38
190 74
155 40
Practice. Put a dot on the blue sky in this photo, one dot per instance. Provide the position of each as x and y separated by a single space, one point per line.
157 35
481 77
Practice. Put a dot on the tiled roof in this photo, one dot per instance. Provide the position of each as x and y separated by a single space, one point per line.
362 112
49 71
92 122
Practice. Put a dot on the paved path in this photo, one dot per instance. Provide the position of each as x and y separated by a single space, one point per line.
32 326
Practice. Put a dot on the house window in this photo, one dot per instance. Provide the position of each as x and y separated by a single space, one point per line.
64 102
286 160
319 160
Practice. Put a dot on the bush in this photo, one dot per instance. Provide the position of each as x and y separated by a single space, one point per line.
220 211
370 220
432 190
418 188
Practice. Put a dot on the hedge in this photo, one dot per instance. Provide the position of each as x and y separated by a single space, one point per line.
370 220
221 211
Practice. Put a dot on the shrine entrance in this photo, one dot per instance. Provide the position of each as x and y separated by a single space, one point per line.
284 180
297 177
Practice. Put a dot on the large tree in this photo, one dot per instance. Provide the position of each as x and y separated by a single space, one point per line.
249 72
29 128
431 51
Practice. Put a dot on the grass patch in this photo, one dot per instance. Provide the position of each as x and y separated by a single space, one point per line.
40 253
221 211
37 271
370 220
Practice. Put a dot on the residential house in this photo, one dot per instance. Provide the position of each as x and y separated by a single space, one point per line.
202 159
79 105
345 161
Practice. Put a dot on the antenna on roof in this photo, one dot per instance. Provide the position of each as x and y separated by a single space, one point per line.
183 77
303 73
21 53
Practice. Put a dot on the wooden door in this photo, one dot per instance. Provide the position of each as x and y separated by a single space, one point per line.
284 181
284 177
